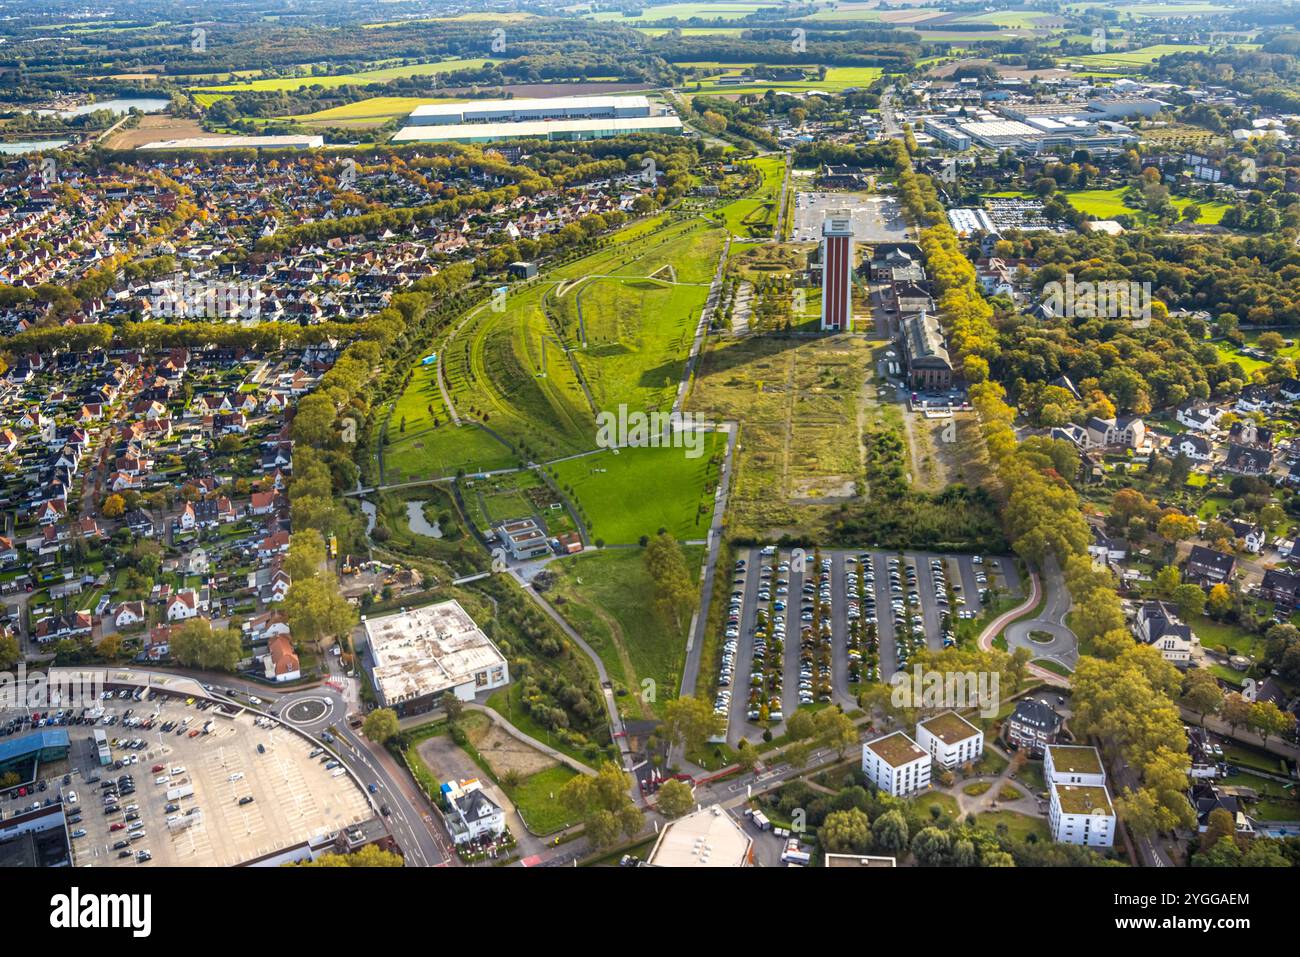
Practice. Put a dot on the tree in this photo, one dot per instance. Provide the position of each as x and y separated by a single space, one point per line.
1235 711
113 506
1202 694
890 832
306 554
1266 719
846 832
1176 527
691 721
1189 599
931 847
1218 826
603 804
675 592
10 652
315 608
381 725
370 855
197 644
675 798
1220 601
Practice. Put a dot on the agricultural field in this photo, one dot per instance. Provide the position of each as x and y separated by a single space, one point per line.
373 110
1143 56
609 597
623 494
344 79
838 79
686 11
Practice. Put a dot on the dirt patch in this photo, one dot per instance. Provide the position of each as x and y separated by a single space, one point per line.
505 754
154 128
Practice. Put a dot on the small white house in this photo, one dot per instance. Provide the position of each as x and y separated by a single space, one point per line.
1073 764
472 815
895 764
950 739
1081 814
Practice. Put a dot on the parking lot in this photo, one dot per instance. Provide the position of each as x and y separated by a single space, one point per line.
810 631
875 218
182 795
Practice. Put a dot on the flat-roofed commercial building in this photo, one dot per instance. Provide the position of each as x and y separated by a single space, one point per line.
417 656
286 142
562 130
25 751
709 837
525 109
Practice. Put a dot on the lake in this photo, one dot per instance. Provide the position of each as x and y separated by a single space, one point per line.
419 524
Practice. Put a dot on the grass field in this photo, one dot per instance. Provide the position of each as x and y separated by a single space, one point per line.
798 400
344 79
1018 826
422 442
630 492
608 597
1109 203
536 798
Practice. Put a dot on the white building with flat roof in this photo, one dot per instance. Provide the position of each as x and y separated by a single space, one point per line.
1081 814
708 837
559 129
895 764
525 109
284 142
950 739
1073 764
416 656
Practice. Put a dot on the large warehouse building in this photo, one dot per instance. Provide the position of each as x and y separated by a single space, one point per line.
556 118
524 110
417 656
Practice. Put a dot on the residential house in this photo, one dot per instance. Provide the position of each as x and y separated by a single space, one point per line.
1158 626
1281 587
470 814
129 614
1032 726
1195 447
281 662
1205 566
1248 460
1199 417
1253 537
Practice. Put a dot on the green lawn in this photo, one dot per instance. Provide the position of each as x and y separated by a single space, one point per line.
1217 634
609 599
536 798
1018 826
630 492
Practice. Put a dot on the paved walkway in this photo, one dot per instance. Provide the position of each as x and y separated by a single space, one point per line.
1064 646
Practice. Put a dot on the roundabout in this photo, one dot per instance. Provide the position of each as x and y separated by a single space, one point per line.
307 712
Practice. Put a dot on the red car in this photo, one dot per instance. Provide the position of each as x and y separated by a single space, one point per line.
158 767
117 827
